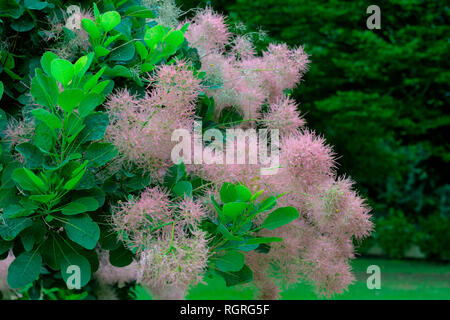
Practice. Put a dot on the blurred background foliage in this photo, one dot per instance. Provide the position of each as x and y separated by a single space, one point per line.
380 97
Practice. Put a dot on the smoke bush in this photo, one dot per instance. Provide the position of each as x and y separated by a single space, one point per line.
109 171
317 246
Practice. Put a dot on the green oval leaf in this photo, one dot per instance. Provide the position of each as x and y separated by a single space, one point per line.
20 177
62 70
154 36
95 126
123 52
43 198
243 193
101 51
89 103
100 153
183 188
234 209
227 234
90 27
139 11
35 4
280 217
82 230
44 137
173 42
80 64
121 257
12 211
81 205
267 204
244 275
44 89
230 261
24 269
110 20
36 180
72 183
73 208
10 228
34 158
46 61
228 192
48 118
69 99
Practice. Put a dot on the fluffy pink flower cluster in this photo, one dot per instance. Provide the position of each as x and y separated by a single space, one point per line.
17 132
208 31
172 251
72 21
170 265
139 221
306 158
316 247
283 115
142 128
246 81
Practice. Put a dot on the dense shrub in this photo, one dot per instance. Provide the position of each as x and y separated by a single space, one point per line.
93 196
379 96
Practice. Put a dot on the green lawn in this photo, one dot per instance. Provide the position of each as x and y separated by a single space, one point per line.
399 280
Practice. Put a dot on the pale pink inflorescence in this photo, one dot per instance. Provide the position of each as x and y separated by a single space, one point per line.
135 218
242 47
208 32
142 128
74 23
170 265
279 68
306 158
239 78
191 210
316 247
18 131
283 115
168 12
71 21
172 250
214 166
